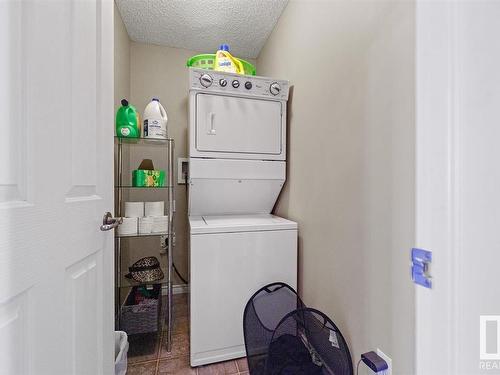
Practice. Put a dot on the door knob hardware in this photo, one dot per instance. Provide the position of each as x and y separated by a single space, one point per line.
109 222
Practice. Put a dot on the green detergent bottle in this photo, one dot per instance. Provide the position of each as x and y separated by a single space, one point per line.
127 121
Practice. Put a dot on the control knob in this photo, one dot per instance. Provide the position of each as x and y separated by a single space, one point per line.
206 80
236 83
223 82
275 88
248 85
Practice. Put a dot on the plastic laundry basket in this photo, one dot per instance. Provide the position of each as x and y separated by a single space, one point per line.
207 60
121 350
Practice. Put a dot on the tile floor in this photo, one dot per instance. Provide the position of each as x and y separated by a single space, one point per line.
153 358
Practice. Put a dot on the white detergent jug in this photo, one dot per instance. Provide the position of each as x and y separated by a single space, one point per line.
155 120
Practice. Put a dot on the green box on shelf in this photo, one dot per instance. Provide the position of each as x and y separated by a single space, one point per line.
148 178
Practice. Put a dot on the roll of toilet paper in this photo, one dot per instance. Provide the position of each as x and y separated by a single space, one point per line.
160 224
145 225
128 226
134 209
155 208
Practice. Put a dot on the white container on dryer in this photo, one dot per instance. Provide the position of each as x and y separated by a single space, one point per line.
155 120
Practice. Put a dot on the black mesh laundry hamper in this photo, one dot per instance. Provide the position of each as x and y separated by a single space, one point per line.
263 312
282 336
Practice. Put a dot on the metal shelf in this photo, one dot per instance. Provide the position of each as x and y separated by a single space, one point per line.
143 187
136 235
120 188
144 141
131 283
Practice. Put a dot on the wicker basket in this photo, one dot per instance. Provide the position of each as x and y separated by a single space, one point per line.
143 317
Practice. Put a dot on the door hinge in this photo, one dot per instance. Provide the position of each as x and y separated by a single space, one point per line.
420 267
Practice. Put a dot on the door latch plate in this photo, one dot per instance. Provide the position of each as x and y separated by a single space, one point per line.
420 267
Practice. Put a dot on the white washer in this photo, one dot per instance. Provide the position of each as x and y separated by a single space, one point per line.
231 258
237 167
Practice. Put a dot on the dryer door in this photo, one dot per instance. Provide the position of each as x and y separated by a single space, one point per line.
233 125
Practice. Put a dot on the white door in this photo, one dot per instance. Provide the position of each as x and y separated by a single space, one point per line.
458 186
56 168
232 125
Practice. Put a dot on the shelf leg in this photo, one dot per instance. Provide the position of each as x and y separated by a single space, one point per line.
170 253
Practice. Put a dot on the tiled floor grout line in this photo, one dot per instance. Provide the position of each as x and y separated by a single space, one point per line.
159 353
143 362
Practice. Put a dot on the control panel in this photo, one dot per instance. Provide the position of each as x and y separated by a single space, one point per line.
237 84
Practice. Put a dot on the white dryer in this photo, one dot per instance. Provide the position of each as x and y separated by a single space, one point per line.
237 164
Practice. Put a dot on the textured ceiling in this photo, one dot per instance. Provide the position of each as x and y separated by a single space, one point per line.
202 25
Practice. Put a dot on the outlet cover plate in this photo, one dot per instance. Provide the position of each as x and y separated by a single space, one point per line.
180 176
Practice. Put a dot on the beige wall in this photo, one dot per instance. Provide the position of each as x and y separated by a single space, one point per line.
122 59
351 164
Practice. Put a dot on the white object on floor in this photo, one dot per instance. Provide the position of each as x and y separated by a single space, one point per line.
128 226
231 258
121 350
134 209
154 208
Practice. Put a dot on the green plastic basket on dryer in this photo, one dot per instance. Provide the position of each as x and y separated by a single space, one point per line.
207 61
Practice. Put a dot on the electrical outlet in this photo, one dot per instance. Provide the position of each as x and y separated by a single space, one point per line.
182 170
382 355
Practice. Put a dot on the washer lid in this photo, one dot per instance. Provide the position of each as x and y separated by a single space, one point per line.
239 223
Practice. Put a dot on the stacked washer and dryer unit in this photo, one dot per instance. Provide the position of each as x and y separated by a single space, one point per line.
237 164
